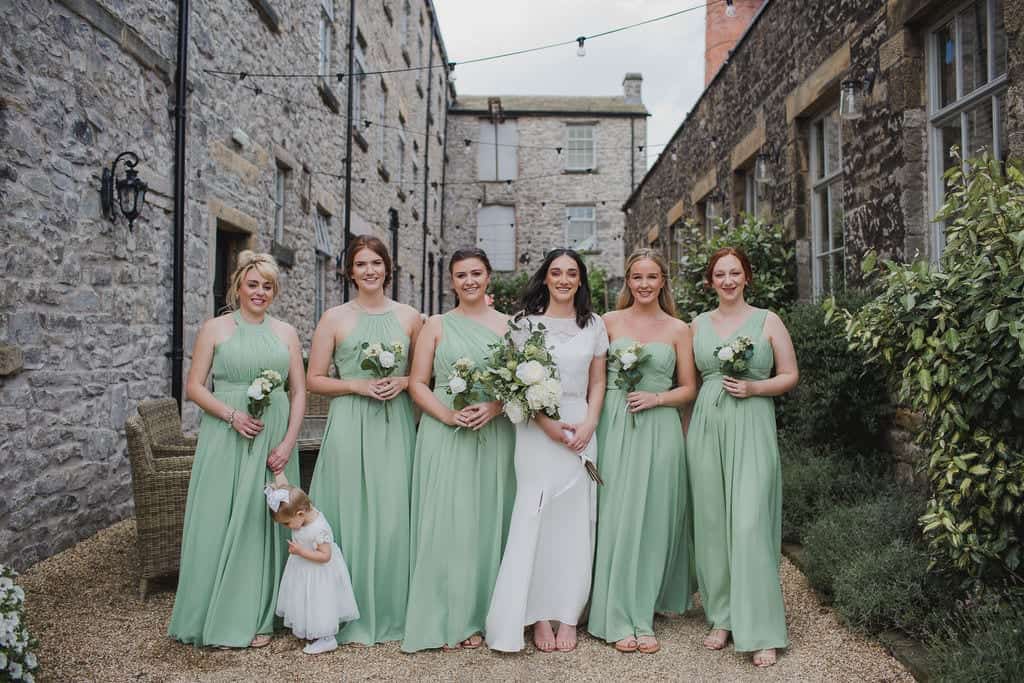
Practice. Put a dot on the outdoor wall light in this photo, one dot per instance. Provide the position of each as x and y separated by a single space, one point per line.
763 165
130 189
730 9
713 205
853 91
581 51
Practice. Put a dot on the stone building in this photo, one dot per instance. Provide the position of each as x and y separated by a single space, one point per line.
538 172
87 306
915 76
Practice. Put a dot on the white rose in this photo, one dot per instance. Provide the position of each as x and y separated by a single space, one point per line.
5 583
536 396
19 594
464 364
28 678
255 391
3 661
726 354
553 386
273 376
514 411
531 372
31 661
15 670
456 385
628 359
387 359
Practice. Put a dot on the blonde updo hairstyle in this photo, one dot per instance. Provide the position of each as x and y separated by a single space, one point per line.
665 300
297 501
264 264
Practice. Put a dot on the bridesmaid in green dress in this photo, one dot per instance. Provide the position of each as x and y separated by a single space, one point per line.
733 456
363 473
232 553
642 565
463 479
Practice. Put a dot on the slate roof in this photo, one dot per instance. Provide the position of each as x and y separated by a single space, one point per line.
520 105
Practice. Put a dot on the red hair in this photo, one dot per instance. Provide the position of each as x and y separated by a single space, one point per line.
722 253
375 245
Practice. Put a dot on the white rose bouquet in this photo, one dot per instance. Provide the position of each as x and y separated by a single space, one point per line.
259 392
734 359
627 362
17 661
462 383
383 360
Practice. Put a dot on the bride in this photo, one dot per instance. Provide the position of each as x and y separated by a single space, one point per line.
545 571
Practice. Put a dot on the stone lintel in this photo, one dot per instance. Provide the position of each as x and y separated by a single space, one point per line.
675 213
219 211
821 81
285 158
229 160
326 202
652 233
900 13
703 186
747 148
900 45
267 14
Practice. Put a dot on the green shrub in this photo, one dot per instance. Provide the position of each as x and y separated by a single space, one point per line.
952 336
772 259
506 289
979 644
841 399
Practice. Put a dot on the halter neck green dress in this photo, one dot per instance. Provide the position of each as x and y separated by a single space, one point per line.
644 536
463 489
733 457
361 485
232 553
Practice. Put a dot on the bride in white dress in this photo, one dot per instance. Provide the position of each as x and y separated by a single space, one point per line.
546 569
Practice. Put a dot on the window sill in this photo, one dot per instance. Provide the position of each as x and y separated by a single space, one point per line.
267 15
401 194
382 171
579 171
327 95
285 256
406 57
360 140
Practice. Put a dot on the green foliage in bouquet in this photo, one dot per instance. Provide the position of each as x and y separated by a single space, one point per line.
18 661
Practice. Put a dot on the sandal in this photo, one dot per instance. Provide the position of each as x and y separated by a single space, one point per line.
764 658
473 642
544 644
261 640
717 639
572 643
648 645
627 644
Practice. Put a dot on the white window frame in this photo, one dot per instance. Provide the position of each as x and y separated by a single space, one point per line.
321 258
401 157
280 186
820 182
383 125
752 200
994 91
505 136
580 153
326 36
581 217
358 86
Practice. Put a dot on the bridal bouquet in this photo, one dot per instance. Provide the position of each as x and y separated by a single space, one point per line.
733 359
522 374
259 393
382 360
628 362
17 661
462 383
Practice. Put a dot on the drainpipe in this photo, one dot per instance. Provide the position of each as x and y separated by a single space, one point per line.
395 268
444 197
348 136
426 167
180 128
632 151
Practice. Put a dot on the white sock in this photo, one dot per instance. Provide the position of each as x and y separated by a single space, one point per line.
321 645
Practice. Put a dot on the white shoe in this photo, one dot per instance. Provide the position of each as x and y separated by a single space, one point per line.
321 645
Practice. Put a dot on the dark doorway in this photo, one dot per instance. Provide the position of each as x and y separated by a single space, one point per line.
230 243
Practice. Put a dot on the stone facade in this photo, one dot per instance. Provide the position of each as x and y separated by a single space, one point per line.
781 77
546 179
86 304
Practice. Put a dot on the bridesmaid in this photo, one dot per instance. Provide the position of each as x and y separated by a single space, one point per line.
232 553
463 482
363 474
733 456
644 533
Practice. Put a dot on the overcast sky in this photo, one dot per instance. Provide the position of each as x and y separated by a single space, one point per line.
669 53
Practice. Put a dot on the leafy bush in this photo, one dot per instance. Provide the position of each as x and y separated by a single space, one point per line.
953 337
840 399
772 260
980 643
17 660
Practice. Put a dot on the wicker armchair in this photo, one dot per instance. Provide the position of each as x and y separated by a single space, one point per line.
161 462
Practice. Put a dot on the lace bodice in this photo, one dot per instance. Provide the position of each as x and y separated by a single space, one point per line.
573 349
316 532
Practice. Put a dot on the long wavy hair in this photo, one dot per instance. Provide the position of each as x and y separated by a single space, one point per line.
665 299
536 297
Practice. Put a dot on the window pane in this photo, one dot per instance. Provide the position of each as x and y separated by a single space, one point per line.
1001 133
835 216
819 146
507 150
945 45
979 129
837 272
999 48
950 134
496 234
974 47
487 159
833 152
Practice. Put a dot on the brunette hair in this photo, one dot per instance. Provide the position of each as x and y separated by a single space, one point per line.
375 245
535 297
665 299
728 251
264 264
468 253
297 501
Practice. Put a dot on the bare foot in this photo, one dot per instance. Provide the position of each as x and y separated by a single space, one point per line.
717 639
764 658
627 644
566 640
648 644
543 636
473 642
261 640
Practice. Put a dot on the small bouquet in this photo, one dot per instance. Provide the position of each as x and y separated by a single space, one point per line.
733 359
628 362
462 383
259 393
522 374
382 360
17 661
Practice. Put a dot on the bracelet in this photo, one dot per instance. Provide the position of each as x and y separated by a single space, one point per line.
231 417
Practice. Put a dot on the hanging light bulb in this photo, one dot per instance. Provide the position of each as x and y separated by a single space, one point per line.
730 9
851 100
763 169
469 144
581 51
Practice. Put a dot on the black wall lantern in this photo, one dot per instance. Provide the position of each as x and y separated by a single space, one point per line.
130 189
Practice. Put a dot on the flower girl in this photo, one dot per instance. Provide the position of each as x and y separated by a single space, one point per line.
316 590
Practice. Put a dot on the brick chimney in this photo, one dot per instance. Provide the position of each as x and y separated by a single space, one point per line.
721 32
631 88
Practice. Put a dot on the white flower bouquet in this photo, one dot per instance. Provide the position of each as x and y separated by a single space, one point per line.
17 661
259 392
522 374
733 359
462 383
382 360
627 362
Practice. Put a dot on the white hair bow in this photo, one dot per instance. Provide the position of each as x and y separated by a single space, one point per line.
275 497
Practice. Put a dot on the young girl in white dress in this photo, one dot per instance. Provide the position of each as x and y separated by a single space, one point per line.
546 568
316 591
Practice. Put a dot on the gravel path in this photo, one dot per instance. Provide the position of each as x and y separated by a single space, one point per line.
83 606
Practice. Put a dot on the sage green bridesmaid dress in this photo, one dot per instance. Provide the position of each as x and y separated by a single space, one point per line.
644 536
463 489
232 553
361 485
736 483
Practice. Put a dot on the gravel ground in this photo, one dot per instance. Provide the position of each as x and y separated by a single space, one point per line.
83 606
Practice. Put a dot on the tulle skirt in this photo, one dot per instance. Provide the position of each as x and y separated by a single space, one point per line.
315 598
